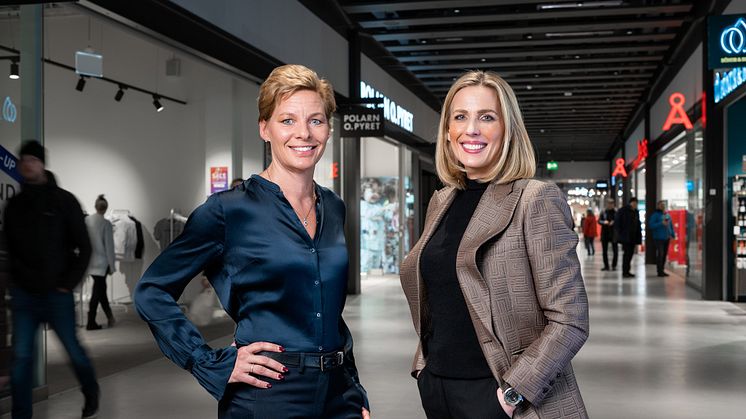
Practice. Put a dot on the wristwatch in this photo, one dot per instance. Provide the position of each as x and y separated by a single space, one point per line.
512 397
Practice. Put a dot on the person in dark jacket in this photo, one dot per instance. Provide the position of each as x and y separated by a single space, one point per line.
627 226
608 237
49 249
661 228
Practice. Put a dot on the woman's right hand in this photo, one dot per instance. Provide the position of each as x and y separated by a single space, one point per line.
249 366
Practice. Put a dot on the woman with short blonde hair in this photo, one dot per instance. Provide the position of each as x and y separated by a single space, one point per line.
494 284
279 270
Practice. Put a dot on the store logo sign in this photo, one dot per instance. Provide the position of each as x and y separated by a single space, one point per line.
677 115
733 38
620 170
391 111
10 113
727 83
642 153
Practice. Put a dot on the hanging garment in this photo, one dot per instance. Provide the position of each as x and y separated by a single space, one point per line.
162 231
125 237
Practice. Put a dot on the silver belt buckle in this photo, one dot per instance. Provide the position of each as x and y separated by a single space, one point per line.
338 357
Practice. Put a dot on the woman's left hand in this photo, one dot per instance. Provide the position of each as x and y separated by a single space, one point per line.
506 407
366 414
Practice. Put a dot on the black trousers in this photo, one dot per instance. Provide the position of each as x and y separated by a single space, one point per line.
615 249
98 295
589 246
661 253
453 398
629 251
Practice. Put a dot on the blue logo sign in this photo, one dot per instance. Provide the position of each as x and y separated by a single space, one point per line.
727 83
9 164
9 110
733 38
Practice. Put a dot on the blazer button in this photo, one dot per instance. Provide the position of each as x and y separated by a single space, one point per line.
559 375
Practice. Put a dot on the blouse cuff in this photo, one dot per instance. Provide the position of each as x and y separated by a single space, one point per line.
213 368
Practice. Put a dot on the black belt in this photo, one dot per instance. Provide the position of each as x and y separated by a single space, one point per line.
324 362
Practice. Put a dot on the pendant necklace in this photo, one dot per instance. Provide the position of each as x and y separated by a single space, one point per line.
305 219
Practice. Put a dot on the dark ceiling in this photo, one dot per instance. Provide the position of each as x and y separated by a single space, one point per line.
579 68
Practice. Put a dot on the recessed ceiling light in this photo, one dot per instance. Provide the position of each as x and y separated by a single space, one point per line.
568 93
423 41
456 11
529 87
484 59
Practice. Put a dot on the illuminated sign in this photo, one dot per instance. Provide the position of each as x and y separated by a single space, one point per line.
10 112
552 165
391 110
642 153
727 41
602 185
727 83
677 114
334 174
361 122
619 170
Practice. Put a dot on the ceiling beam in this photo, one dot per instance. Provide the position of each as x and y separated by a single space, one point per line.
625 49
522 63
513 17
389 6
533 29
545 70
532 43
537 81
562 89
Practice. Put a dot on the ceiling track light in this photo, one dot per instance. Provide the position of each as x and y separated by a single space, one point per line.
81 84
14 74
120 93
157 103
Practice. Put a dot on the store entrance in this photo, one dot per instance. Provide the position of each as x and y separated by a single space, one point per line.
387 207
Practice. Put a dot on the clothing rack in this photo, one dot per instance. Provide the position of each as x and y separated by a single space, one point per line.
174 215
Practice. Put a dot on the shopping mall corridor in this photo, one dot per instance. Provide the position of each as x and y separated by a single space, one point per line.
655 351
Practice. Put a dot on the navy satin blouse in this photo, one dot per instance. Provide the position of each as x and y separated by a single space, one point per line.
277 283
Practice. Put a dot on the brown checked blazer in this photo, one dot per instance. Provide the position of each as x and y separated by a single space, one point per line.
519 272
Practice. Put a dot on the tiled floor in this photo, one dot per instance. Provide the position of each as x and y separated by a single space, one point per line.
655 351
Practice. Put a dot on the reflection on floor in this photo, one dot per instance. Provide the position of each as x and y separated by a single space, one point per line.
655 351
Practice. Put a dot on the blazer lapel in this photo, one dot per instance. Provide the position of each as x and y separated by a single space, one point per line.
491 217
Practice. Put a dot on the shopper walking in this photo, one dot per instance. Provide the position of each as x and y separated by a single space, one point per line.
590 231
661 227
494 283
627 227
608 235
49 250
274 250
102 262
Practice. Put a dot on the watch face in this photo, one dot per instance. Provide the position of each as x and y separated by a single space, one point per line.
512 397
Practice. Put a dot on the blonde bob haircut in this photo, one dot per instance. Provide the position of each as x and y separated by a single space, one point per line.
285 80
515 159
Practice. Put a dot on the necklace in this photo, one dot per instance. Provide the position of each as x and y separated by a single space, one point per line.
305 219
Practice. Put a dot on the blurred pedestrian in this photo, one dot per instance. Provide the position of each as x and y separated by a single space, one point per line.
627 226
590 231
608 235
101 234
49 251
661 227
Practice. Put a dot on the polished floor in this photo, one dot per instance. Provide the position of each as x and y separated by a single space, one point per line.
655 351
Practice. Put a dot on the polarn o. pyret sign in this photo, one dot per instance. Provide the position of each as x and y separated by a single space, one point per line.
362 122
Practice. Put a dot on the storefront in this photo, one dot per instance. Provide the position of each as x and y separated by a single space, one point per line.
727 122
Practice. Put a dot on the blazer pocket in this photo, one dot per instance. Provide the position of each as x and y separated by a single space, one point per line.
515 355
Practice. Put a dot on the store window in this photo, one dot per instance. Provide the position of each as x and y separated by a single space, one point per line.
681 186
380 220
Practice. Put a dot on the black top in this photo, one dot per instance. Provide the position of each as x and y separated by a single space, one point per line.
47 239
607 231
449 340
627 225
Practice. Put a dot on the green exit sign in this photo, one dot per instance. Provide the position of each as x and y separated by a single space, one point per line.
552 165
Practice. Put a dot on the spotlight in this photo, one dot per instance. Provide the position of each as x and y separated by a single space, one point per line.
14 71
157 103
81 84
120 93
